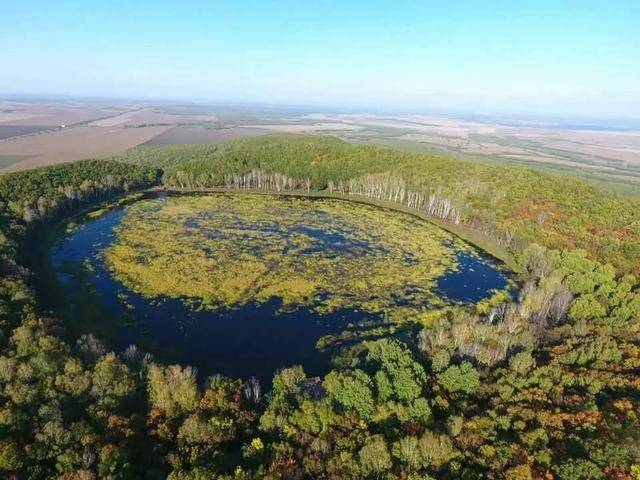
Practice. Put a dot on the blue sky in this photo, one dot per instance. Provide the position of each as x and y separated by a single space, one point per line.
478 56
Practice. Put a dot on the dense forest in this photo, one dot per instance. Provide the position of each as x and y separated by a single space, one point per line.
543 387
512 205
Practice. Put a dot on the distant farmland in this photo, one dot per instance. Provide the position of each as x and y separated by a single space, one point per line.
6 160
54 114
44 133
71 144
8 131
198 134
32 134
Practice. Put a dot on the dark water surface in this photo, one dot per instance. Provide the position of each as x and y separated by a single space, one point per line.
254 340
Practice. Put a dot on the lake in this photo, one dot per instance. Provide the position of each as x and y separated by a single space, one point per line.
244 285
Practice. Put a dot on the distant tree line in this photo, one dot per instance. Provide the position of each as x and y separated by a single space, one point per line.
392 188
45 192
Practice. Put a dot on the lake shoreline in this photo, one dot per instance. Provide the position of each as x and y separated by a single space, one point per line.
177 325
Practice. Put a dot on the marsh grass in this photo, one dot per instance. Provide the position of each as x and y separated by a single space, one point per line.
225 251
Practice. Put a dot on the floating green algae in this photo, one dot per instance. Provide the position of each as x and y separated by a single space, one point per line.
225 251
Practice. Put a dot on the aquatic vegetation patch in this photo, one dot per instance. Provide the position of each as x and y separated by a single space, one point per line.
225 251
